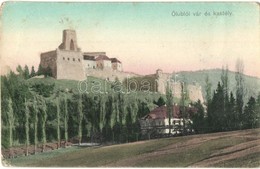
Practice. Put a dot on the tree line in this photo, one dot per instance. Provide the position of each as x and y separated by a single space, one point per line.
227 111
37 113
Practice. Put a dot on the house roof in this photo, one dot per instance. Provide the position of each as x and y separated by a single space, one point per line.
113 60
102 57
161 112
87 57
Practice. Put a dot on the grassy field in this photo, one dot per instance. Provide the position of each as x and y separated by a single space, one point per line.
226 149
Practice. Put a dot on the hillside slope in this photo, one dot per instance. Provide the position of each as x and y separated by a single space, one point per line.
252 84
225 149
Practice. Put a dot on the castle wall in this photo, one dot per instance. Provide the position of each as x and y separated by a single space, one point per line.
109 74
48 59
69 65
89 64
194 91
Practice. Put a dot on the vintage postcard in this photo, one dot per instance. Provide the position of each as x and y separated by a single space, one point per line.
134 84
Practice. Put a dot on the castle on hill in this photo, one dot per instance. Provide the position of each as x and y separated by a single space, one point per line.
69 62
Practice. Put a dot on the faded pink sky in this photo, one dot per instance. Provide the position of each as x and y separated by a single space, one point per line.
144 37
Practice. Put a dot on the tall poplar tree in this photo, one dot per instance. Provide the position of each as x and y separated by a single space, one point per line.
35 109
169 105
80 117
44 118
58 119
240 91
66 119
10 115
27 128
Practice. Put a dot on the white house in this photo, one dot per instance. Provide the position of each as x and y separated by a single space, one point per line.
158 120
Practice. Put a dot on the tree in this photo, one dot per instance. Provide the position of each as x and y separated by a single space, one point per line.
80 117
225 83
240 90
58 119
160 102
40 70
169 105
183 111
33 73
26 72
66 118
208 90
198 118
48 72
35 109
43 120
11 119
215 115
102 111
27 128
232 117
19 69
250 118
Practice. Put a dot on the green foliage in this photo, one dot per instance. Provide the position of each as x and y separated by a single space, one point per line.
108 116
42 89
160 102
169 104
199 121
20 70
33 73
10 115
27 127
240 90
80 117
26 72
35 119
40 70
251 115
47 72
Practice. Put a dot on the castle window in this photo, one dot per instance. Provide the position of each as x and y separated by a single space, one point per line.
73 59
79 60
68 58
63 58
71 45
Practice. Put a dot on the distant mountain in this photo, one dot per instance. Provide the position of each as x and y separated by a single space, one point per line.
252 84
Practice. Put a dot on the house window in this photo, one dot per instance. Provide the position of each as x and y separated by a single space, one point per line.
73 59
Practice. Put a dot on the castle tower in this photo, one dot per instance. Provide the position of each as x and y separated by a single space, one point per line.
66 61
69 40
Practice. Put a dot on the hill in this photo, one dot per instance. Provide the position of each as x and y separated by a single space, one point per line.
252 84
225 149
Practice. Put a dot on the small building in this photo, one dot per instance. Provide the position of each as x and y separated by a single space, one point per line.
89 62
157 121
116 64
103 62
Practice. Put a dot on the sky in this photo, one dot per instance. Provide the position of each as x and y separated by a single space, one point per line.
143 36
